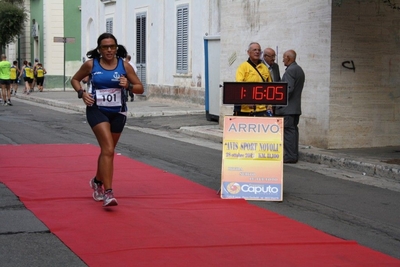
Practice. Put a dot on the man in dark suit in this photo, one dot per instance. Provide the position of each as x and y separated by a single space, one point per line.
269 60
294 76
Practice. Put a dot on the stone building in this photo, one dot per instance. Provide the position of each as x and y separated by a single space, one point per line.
343 107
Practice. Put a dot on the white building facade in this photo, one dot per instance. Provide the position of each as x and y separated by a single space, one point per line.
149 29
343 106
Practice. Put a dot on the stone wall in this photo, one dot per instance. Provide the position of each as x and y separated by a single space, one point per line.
342 108
304 26
364 103
180 93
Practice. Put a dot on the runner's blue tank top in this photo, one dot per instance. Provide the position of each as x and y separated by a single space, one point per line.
24 71
107 79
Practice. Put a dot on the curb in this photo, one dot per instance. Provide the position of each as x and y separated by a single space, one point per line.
53 103
313 155
163 113
343 161
82 108
213 133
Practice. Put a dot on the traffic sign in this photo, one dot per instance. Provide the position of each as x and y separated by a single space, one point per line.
64 39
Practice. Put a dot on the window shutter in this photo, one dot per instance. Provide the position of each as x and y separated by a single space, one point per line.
182 38
141 39
109 25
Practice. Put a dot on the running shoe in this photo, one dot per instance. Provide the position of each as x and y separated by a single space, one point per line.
98 193
9 103
109 199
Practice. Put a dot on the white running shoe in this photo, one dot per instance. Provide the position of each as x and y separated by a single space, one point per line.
109 199
98 193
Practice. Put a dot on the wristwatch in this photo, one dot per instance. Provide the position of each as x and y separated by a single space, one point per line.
80 93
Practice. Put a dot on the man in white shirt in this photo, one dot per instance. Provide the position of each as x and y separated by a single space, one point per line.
128 59
269 60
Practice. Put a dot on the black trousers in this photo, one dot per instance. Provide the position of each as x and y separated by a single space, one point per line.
291 139
128 91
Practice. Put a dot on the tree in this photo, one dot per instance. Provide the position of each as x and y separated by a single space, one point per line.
14 2
12 20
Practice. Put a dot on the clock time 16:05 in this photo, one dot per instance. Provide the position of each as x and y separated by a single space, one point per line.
271 93
259 93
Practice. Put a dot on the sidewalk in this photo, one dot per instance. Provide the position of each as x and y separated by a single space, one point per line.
377 162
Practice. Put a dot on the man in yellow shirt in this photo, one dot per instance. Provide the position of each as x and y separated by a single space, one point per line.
40 72
252 70
14 72
30 74
5 69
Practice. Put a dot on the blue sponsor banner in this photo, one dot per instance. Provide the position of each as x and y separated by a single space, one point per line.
251 191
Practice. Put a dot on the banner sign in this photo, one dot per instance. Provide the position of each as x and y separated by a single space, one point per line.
64 39
252 158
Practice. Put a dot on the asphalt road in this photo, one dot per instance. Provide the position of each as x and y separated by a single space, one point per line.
346 209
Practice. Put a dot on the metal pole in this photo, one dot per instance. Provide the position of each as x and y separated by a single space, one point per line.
65 40
19 57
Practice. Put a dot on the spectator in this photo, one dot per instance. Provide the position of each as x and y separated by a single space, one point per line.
269 60
129 91
294 76
252 70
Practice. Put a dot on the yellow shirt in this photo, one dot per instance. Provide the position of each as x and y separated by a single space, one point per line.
40 72
13 73
28 72
246 73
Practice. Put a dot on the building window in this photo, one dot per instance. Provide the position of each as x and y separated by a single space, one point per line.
141 33
141 38
182 38
109 25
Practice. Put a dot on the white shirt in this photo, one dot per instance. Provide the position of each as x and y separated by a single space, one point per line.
133 66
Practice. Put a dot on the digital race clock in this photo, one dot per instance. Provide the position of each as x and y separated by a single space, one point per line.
274 93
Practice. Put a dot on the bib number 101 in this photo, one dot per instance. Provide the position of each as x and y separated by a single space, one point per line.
109 97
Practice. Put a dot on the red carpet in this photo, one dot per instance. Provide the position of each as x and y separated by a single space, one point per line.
162 219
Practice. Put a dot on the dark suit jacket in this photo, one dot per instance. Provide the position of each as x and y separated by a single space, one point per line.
276 75
294 76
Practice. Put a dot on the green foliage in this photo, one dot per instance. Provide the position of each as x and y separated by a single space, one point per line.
13 2
12 22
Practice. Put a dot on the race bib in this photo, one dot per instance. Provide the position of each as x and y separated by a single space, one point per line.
108 97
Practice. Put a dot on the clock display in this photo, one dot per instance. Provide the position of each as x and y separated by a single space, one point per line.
274 93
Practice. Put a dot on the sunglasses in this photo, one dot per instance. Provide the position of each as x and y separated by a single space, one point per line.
106 47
